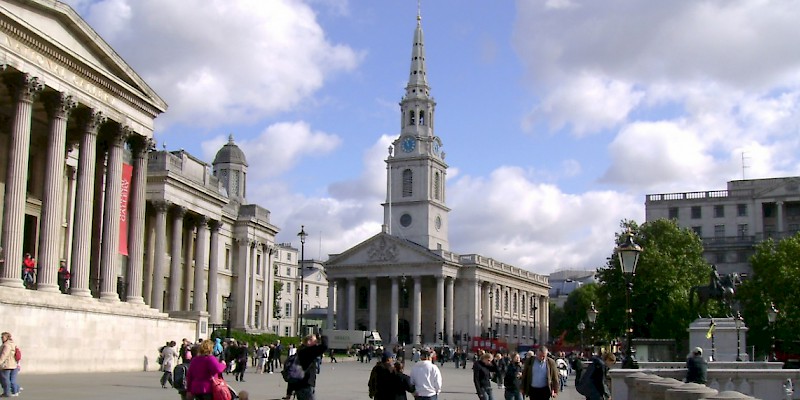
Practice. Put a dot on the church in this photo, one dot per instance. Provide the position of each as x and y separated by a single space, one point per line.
404 282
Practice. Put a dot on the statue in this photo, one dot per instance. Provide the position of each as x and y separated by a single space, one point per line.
721 289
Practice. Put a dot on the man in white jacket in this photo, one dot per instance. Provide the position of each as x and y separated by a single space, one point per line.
426 378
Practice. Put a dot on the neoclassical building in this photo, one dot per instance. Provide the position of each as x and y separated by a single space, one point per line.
405 282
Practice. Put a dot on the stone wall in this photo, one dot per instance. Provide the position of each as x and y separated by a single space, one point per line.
61 333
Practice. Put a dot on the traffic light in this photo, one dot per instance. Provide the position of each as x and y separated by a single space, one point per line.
440 335
465 337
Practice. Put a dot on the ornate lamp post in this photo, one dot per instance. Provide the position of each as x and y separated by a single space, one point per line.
303 235
535 335
491 313
739 322
628 252
403 305
581 327
592 315
772 316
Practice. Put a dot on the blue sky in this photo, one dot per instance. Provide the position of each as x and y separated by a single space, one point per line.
557 116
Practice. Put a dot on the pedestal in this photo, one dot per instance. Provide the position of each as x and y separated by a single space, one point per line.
725 333
201 317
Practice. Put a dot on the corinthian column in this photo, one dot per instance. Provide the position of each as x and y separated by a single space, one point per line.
140 146
175 264
416 325
159 255
23 89
109 259
58 107
214 314
89 121
450 309
201 249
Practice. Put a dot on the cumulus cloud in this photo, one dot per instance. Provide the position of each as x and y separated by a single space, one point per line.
216 62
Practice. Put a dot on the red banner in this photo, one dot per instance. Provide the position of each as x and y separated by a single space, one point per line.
127 174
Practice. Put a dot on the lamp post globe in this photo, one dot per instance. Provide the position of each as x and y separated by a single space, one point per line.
628 252
772 316
592 316
581 327
303 235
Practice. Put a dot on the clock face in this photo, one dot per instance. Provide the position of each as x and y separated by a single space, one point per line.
409 144
438 222
436 148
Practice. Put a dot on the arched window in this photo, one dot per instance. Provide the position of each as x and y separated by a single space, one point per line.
411 117
437 186
408 181
422 117
514 304
505 301
522 304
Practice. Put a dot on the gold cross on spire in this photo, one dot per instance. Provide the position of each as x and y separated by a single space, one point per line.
419 10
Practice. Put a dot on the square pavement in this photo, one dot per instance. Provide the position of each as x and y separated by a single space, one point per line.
345 380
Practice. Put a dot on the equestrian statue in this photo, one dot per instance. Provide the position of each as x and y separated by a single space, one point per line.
720 288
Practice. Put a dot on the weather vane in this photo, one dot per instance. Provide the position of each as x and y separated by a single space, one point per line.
419 10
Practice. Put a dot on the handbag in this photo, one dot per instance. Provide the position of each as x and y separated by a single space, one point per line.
219 389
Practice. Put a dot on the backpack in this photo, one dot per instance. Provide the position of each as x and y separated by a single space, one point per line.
585 385
220 389
179 377
292 371
17 354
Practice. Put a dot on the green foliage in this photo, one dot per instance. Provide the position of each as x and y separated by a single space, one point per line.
776 278
258 338
574 311
670 264
557 316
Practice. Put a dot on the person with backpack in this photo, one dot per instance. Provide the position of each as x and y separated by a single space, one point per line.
202 373
179 373
8 364
594 381
304 385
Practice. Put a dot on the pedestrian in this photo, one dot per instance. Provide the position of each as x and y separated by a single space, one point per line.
513 378
500 362
540 379
276 357
241 362
261 356
63 277
482 371
8 365
563 371
203 368
426 377
168 356
28 271
598 375
307 355
218 349
180 371
382 379
402 383
330 354
577 366
696 367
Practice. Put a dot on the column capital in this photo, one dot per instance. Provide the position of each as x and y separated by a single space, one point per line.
160 205
23 87
90 120
178 211
440 278
244 241
140 146
200 221
214 225
118 135
58 105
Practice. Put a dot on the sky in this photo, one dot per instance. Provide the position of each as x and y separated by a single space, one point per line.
557 116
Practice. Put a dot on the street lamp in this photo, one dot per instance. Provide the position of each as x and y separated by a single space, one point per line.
772 316
581 327
303 235
491 313
592 315
535 335
403 305
739 322
628 252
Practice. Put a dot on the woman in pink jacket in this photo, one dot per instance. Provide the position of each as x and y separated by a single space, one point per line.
201 370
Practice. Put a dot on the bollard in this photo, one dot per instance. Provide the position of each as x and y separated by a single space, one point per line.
690 391
730 394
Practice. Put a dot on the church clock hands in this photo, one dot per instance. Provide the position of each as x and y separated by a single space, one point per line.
409 143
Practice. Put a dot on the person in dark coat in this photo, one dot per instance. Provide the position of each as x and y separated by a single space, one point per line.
307 357
382 379
482 376
599 371
512 379
402 383
696 367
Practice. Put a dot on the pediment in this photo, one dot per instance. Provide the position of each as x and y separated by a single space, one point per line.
786 187
384 249
55 29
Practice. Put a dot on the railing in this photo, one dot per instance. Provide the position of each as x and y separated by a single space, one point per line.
711 194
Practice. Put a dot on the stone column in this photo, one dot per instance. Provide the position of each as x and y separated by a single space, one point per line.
341 304
331 302
159 255
252 287
69 191
215 315
149 249
450 301
201 249
58 106
351 303
242 278
476 324
416 325
89 122
176 244
266 273
439 308
488 305
97 212
23 89
779 218
140 148
188 256
373 304
109 257
394 312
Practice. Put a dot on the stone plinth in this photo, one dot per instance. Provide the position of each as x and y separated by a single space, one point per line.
725 340
689 391
729 395
659 388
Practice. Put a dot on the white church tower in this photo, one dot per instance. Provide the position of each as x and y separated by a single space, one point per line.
415 207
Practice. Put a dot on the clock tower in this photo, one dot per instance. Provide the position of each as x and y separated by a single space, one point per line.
415 206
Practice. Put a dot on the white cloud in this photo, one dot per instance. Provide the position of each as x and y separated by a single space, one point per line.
215 62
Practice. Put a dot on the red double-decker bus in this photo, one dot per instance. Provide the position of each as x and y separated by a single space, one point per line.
490 345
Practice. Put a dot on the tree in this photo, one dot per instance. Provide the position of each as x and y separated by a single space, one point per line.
575 308
776 279
670 264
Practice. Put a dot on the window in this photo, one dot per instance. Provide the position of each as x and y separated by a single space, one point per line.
698 230
505 301
422 117
286 331
522 304
288 287
437 184
719 211
741 210
411 117
719 231
742 230
673 213
275 269
769 210
258 265
794 228
287 310
363 296
227 258
408 181
317 291
288 271
305 289
514 307
697 212
497 300
288 256
257 310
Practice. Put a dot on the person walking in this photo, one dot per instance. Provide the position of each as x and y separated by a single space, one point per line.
696 367
402 383
28 271
307 357
382 378
512 380
203 368
168 356
8 364
482 371
540 380
598 371
426 378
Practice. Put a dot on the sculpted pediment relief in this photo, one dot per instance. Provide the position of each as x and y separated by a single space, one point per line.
382 250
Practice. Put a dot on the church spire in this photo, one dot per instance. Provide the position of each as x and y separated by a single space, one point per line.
417 79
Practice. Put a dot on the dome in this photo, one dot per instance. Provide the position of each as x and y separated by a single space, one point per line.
230 154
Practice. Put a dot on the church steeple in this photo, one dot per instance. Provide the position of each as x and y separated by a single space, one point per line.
415 206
